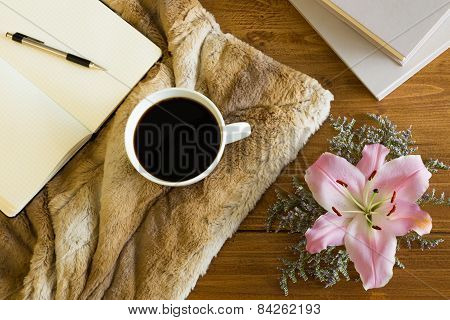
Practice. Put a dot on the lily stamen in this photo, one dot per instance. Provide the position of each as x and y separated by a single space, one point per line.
354 200
372 175
392 210
380 202
376 227
393 197
342 183
336 211
374 193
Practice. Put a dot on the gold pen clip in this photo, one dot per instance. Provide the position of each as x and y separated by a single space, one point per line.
20 36
33 39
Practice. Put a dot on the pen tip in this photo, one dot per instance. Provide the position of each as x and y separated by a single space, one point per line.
96 66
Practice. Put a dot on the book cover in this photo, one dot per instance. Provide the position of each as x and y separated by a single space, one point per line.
380 74
398 27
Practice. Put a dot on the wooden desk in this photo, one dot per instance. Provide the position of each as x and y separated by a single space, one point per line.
246 267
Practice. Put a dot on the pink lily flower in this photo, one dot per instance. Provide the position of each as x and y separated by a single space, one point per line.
368 207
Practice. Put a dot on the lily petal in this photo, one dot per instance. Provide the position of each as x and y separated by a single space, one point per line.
328 230
373 157
407 176
372 252
323 179
406 216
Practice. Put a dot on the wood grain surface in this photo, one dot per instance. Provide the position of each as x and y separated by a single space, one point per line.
246 267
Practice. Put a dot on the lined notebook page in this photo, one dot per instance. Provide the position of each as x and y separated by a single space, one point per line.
86 28
36 135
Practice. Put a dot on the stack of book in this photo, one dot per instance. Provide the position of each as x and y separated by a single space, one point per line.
383 42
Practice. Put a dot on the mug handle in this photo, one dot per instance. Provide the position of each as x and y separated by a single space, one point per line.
236 131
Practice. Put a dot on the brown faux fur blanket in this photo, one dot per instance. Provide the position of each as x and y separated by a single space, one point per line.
100 230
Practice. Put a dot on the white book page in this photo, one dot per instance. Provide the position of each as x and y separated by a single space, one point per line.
36 136
86 28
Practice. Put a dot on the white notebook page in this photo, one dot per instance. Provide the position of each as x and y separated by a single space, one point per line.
36 136
86 28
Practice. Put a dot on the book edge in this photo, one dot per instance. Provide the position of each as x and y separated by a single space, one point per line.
428 35
364 31
405 77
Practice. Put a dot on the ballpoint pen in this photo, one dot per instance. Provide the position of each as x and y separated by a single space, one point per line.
23 39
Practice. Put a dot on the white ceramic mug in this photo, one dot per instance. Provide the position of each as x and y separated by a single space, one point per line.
229 133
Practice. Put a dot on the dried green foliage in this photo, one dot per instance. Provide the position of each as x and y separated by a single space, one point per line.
350 140
327 266
432 198
434 165
412 240
297 211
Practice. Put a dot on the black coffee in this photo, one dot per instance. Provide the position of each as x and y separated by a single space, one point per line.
177 139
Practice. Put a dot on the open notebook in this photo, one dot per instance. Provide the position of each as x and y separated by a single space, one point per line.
50 107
